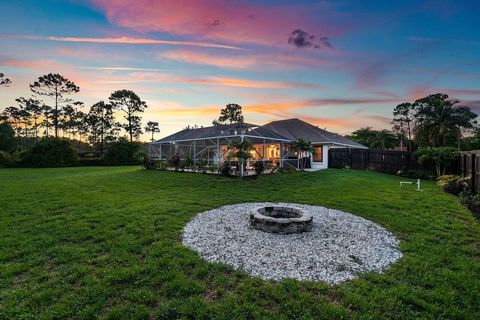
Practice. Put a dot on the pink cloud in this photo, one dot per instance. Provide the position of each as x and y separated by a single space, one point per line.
122 40
228 21
233 62
246 60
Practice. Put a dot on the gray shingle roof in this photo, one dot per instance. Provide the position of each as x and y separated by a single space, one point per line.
290 129
296 128
223 131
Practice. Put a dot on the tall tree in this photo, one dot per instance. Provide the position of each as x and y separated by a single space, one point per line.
58 88
437 118
14 118
102 124
403 117
131 105
79 124
152 127
34 109
4 81
230 114
47 118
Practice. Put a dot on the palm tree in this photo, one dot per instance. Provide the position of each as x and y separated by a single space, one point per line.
304 149
437 117
241 151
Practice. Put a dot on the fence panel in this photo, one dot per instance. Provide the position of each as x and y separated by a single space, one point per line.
387 161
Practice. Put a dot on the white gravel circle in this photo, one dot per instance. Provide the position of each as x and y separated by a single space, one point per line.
340 246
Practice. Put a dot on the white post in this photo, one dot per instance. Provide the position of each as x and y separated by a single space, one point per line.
263 152
281 154
241 164
218 151
194 153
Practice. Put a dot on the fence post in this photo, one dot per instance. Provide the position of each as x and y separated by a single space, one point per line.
351 157
464 165
473 182
367 158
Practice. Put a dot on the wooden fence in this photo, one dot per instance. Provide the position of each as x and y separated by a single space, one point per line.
387 161
470 167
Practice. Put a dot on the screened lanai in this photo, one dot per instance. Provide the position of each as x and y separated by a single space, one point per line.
210 144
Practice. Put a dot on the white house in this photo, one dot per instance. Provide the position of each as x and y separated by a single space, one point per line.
271 143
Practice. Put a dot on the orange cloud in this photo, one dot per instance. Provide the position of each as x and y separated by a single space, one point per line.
235 82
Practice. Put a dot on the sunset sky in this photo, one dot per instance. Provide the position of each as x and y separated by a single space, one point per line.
347 66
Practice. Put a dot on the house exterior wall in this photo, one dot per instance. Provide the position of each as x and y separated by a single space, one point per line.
324 163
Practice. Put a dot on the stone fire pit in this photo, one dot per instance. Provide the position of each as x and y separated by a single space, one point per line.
284 220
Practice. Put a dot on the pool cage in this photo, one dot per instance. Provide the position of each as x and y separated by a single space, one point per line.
210 146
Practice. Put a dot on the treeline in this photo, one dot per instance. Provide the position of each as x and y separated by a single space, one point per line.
51 119
434 121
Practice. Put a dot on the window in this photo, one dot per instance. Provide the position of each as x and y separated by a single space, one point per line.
318 154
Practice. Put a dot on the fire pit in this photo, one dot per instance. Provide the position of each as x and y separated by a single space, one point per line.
284 220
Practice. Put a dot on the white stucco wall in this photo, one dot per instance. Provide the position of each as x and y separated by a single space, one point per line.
324 163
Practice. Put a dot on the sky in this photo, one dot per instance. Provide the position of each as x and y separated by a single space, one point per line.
340 65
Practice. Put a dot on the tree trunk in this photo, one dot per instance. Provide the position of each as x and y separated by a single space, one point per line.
130 126
55 123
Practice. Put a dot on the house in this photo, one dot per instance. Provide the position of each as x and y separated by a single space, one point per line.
272 143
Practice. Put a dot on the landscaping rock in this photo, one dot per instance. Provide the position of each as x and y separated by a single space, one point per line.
339 247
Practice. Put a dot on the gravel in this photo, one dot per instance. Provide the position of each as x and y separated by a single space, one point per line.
340 246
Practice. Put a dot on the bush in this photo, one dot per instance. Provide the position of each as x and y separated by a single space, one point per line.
123 152
50 152
471 201
186 163
88 162
259 167
452 184
212 168
441 156
202 165
224 169
7 137
9 160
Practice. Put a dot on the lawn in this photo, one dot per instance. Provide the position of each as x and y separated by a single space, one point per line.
105 242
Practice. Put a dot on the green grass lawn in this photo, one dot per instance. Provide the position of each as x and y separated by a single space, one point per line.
105 242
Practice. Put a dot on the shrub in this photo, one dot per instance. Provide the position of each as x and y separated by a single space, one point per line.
50 152
471 201
9 160
259 167
162 165
441 156
224 169
7 137
452 184
123 152
212 168
202 165
186 163
88 162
